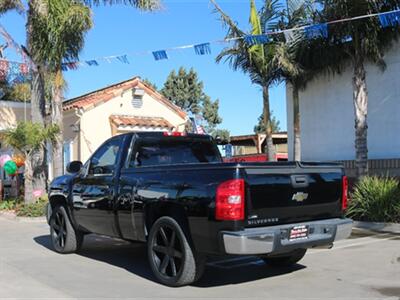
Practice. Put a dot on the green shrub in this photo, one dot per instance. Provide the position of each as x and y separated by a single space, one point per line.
37 209
375 199
10 204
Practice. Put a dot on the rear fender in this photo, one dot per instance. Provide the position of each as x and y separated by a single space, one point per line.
154 211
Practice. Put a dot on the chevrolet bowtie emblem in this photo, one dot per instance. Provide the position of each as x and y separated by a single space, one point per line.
300 197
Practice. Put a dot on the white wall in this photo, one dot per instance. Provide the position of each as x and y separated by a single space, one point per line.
12 112
327 114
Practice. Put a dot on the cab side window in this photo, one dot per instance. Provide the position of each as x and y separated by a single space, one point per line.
103 162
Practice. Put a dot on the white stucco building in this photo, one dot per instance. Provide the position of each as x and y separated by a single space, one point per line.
125 106
90 119
327 115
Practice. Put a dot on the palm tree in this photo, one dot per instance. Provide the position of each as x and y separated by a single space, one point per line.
352 43
292 73
29 138
262 62
297 14
37 162
57 35
36 11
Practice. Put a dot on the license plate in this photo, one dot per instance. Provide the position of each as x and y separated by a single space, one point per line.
298 233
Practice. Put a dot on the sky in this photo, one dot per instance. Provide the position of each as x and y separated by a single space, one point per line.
123 29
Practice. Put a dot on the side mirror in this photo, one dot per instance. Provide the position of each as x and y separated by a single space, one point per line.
74 166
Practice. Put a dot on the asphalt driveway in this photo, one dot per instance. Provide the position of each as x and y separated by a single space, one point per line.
362 267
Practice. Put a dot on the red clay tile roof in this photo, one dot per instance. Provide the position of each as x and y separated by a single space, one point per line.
124 120
100 96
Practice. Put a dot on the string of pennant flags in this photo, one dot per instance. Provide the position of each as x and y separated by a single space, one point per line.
14 72
386 19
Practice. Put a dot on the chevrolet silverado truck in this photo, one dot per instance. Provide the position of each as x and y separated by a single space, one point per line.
173 192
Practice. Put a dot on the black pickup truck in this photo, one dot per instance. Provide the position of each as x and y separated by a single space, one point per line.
173 192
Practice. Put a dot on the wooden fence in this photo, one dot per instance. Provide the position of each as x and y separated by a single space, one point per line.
380 167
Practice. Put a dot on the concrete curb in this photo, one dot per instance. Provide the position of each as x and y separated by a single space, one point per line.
13 217
377 227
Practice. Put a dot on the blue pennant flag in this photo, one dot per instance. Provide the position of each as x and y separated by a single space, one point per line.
123 59
92 62
160 54
252 40
390 19
64 67
13 72
316 31
19 78
202 49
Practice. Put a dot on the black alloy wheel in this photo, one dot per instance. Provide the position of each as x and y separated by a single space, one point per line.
167 251
59 232
171 257
64 237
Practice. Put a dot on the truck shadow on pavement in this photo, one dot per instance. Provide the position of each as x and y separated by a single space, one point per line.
133 258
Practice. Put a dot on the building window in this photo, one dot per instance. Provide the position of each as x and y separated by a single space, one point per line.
67 153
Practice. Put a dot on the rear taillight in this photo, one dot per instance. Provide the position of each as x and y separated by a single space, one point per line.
345 190
229 204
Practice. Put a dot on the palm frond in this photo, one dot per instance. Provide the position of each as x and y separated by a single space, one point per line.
233 30
147 5
270 14
257 60
28 137
7 5
58 32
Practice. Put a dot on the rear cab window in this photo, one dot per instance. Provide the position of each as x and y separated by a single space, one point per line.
172 151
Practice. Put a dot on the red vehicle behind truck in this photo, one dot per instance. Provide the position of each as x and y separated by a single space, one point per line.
254 158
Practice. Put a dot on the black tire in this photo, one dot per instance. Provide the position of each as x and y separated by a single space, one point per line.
64 237
285 260
171 258
48 212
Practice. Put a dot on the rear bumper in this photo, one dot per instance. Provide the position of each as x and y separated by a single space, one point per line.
274 239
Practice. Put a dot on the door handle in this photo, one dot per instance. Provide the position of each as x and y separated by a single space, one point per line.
299 181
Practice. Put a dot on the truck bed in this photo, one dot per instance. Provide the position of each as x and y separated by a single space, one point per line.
276 192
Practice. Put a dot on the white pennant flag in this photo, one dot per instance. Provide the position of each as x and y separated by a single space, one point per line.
289 36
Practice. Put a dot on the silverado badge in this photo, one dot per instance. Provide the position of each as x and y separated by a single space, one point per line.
300 197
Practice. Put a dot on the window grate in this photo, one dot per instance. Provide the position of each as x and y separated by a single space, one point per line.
137 101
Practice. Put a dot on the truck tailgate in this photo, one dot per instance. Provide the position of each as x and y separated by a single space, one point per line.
292 193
